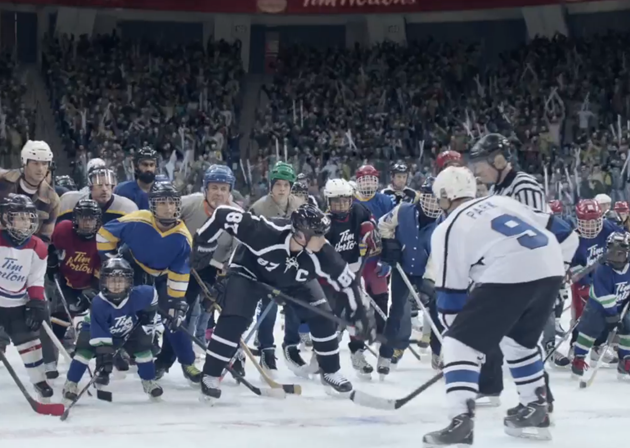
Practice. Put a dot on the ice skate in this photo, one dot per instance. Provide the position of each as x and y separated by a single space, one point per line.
239 364
51 371
458 434
44 391
210 391
268 361
152 388
294 361
623 369
383 367
336 384
578 367
488 401
606 357
398 354
306 341
360 365
70 392
530 421
192 374
436 362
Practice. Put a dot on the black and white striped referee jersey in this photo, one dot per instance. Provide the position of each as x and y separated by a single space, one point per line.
523 188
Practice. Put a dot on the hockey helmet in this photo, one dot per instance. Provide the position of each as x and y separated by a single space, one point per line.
310 221
367 181
300 190
604 201
144 154
617 250
165 203
338 194
622 208
427 200
86 218
36 150
590 220
613 217
303 178
282 171
448 158
19 218
455 182
101 176
66 182
95 163
218 174
488 147
556 207
116 279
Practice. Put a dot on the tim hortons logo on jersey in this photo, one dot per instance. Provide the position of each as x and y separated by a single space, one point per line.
122 325
622 291
594 252
346 241
80 262
11 270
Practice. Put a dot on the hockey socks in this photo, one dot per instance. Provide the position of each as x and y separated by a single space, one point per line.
526 367
461 374
325 343
146 367
223 344
181 346
79 365
31 354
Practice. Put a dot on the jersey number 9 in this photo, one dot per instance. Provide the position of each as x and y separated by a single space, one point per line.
510 225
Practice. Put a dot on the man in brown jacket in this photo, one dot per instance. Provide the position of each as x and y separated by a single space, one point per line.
29 180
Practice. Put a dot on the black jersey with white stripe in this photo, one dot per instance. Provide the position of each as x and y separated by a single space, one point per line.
522 187
265 252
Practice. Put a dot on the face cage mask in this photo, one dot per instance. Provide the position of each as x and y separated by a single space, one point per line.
339 200
616 258
153 203
590 228
102 178
367 186
21 235
116 297
430 205
87 233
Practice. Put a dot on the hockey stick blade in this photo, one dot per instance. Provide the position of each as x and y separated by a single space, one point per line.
104 395
292 389
388 404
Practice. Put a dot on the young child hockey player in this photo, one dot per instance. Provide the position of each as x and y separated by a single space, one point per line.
608 297
74 260
145 164
623 210
517 268
406 233
288 257
113 314
157 245
398 191
300 191
353 235
22 271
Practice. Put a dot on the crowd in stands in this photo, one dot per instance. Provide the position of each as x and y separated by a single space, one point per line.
113 96
17 120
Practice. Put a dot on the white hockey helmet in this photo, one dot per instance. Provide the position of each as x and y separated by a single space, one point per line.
336 188
353 184
95 163
604 201
455 182
36 150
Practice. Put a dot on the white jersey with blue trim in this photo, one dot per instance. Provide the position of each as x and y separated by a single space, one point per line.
494 239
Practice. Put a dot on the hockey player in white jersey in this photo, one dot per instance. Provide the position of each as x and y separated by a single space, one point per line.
516 267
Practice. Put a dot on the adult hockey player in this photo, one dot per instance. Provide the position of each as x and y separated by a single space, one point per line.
145 168
300 191
353 234
92 165
74 260
279 203
603 312
157 244
288 257
398 191
406 238
100 185
65 182
113 314
517 268
22 271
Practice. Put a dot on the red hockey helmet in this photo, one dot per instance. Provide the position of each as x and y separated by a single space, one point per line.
590 219
556 207
448 158
622 207
367 181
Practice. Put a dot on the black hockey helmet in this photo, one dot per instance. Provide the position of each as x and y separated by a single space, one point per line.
617 252
300 189
100 175
142 154
165 193
302 178
19 217
399 168
87 218
310 221
488 147
66 182
116 279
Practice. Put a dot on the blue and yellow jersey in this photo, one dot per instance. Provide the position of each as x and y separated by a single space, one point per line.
156 252
131 190
116 207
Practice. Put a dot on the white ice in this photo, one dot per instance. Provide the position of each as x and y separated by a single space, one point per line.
590 417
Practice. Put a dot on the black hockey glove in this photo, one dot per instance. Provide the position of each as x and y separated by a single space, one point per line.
83 303
426 292
362 317
392 251
201 254
612 321
104 359
34 314
176 313
146 317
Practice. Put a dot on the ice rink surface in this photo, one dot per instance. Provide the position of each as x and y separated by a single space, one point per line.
597 416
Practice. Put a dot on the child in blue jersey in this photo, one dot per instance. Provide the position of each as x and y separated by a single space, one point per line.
145 165
157 244
608 297
113 316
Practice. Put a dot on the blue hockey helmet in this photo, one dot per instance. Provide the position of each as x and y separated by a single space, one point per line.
427 200
617 252
219 174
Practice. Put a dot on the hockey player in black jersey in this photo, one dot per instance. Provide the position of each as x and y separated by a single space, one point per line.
288 255
300 191
353 235
398 189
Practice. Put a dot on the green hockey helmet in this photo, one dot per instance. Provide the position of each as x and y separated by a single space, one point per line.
282 171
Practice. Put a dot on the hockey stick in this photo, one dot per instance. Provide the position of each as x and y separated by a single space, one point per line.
100 394
584 384
562 340
390 404
40 408
64 302
61 348
294 389
60 322
273 393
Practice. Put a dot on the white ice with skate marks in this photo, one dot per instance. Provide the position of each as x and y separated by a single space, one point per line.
583 418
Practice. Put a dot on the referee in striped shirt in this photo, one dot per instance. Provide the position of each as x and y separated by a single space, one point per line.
489 162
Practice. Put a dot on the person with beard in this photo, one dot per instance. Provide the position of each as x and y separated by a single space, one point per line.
145 165
101 183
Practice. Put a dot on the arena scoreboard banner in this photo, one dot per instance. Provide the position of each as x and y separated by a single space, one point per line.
299 7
